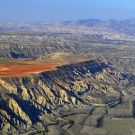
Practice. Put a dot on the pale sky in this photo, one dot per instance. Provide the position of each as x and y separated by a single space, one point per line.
64 10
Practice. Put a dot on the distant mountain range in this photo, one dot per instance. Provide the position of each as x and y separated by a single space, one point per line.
97 23
119 29
116 28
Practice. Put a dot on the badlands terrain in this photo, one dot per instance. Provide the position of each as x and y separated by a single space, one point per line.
72 78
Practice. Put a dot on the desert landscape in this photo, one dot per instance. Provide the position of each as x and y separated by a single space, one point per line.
55 79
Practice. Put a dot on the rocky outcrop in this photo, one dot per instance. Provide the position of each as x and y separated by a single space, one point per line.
25 100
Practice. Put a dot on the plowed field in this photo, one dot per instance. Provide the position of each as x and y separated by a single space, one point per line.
25 68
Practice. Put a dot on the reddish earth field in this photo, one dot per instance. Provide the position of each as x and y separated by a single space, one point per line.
16 70
19 67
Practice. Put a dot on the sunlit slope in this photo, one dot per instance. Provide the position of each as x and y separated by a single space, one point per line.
33 99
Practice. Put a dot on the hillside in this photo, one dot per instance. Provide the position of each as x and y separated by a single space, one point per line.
27 101
57 78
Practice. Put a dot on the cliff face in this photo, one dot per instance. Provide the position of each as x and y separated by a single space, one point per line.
24 100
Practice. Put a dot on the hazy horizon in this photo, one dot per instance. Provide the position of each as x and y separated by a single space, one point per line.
53 11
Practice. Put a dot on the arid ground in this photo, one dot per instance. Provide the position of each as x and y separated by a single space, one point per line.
16 70
21 67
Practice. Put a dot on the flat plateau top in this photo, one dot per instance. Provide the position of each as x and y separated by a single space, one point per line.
22 67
